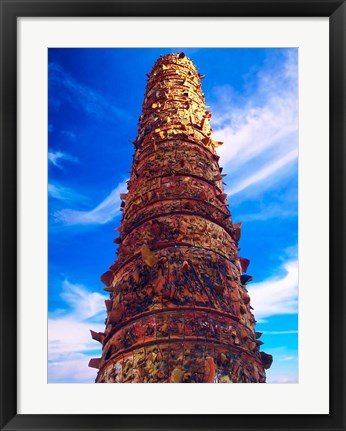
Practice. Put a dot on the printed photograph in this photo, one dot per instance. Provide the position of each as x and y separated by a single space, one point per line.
173 215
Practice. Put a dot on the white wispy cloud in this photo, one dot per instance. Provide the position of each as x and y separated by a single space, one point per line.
276 295
64 88
260 133
103 213
285 365
62 193
67 335
288 358
55 158
281 378
74 369
83 303
263 173
271 211
70 345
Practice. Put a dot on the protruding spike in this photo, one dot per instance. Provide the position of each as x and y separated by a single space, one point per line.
95 363
108 289
237 231
245 279
244 263
107 278
222 197
115 315
246 298
98 336
266 359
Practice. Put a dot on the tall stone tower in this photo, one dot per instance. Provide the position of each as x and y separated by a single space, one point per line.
179 310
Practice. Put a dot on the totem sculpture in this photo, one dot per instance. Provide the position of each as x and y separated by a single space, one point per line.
179 309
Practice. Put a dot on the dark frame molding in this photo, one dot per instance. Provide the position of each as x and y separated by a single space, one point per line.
9 11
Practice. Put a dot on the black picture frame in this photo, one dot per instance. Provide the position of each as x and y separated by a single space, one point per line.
10 11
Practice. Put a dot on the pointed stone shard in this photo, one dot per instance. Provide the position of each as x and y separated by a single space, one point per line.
266 359
108 304
237 231
244 263
107 278
97 336
245 279
95 363
148 256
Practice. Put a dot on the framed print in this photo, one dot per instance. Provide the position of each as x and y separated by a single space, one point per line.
251 90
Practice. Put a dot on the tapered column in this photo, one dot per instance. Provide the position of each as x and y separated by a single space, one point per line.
179 309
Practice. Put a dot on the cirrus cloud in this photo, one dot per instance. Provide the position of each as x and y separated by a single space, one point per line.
277 295
260 133
70 345
103 213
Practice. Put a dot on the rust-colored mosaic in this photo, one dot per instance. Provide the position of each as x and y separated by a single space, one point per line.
179 310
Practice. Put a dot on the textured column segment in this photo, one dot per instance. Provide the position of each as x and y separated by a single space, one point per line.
179 310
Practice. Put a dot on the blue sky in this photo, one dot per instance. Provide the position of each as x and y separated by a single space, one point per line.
95 99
